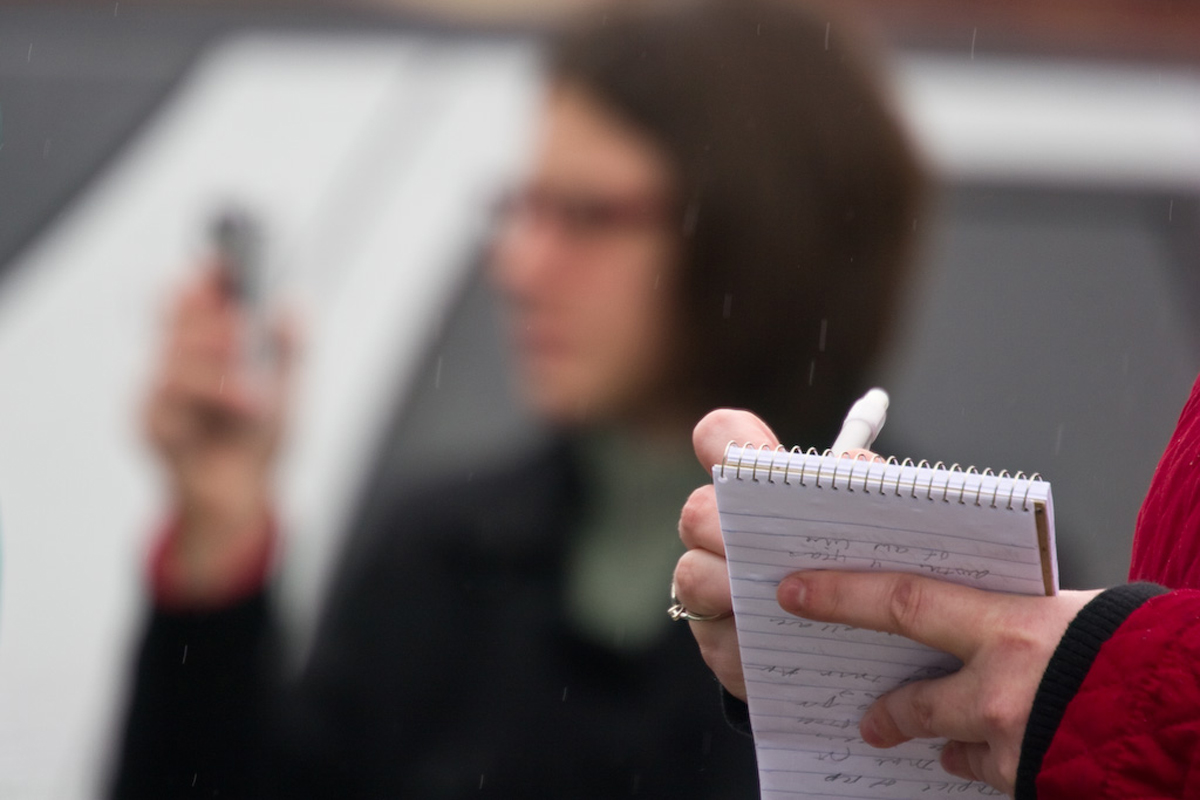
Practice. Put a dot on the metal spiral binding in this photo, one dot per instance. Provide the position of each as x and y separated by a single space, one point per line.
812 451
892 462
922 464
1020 476
774 452
866 477
979 487
742 459
953 468
962 489
850 477
837 463
1037 476
766 459
996 490
757 456
941 465
725 457
908 462
787 464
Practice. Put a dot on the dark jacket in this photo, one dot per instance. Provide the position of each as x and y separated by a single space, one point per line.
443 668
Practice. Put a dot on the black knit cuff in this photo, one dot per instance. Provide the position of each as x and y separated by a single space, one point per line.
1069 665
248 612
737 713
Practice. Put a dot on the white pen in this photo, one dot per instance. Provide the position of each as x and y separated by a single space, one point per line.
863 422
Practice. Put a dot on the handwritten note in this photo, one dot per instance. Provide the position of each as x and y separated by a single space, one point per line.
809 682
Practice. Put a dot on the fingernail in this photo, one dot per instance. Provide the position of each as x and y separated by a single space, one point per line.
954 761
791 593
869 731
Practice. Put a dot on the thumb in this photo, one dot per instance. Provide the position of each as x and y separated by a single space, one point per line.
718 428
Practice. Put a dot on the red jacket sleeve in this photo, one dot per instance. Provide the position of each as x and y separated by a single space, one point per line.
1132 728
1166 544
1117 714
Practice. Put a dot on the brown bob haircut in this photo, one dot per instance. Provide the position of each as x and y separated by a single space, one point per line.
796 193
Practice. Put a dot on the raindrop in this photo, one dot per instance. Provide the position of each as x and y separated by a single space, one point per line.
812 371
184 661
564 695
437 374
481 781
29 55
195 777
46 149
728 305
1170 210
115 7
1058 437
827 25
974 32
821 339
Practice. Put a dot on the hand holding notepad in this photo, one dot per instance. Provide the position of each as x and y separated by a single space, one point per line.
810 682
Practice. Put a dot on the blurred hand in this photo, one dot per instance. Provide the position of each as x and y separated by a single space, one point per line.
217 431
1004 642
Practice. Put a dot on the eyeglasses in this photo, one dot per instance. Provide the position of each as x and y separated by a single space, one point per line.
581 214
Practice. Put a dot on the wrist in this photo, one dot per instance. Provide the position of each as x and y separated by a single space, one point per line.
207 562
1068 667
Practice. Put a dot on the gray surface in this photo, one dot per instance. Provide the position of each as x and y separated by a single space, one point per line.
71 92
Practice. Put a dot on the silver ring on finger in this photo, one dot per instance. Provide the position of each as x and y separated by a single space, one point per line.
678 612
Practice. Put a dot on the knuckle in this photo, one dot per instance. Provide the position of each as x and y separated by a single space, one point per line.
1002 772
1018 644
687 576
999 713
696 512
923 709
1004 760
905 602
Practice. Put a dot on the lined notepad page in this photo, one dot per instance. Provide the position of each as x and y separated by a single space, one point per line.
808 682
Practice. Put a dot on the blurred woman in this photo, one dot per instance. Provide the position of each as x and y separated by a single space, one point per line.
718 213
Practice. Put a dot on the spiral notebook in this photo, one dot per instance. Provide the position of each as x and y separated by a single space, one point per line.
808 683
